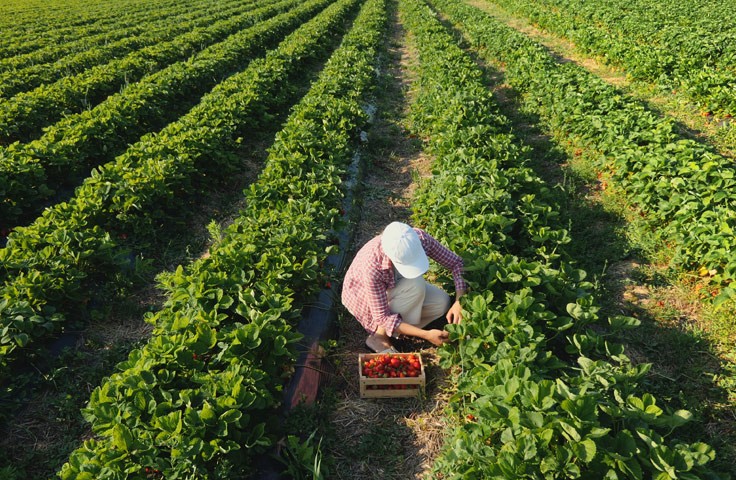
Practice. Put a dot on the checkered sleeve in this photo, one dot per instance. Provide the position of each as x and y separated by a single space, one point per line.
445 257
381 315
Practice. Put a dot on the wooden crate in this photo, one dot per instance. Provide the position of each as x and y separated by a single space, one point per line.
366 382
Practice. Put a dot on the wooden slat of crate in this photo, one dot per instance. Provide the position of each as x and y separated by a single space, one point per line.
420 381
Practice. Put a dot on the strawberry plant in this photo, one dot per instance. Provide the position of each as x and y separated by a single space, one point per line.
540 393
200 398
29 173
687 47
77 40
28 29
48 265
683 189
23 115
27 78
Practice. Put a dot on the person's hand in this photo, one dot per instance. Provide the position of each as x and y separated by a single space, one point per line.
437 337
455 314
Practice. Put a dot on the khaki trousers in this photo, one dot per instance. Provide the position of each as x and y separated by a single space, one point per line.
417 301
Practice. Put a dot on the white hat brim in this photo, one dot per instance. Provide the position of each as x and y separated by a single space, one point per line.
414 270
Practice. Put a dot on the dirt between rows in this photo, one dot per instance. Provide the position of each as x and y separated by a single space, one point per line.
386 438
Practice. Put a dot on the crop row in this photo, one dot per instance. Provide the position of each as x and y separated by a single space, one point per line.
540 393
199 399
29 173
38 31
129 28
32 71
686 191
23 116
50 266
689 46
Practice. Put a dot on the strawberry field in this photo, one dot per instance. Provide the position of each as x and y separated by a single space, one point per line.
178 178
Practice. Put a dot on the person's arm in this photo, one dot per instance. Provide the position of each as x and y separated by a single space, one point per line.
378 303
436 337
452 262
455 314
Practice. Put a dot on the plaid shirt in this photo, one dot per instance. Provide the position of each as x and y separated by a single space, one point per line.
371 274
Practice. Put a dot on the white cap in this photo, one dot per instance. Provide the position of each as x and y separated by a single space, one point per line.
402 245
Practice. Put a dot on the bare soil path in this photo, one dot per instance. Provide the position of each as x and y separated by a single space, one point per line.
386 438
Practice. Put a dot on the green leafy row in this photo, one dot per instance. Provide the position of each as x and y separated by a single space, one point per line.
35 28
131 27
16 81
686 190
199 400
23 116
30 173
50 267
681 45
541 392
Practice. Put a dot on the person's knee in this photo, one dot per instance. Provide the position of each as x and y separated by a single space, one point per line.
407 294
436 304
445 302
414 287
407 298
448 302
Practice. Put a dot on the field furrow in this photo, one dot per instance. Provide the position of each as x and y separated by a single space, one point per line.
50 266
23 116
31 173
214 369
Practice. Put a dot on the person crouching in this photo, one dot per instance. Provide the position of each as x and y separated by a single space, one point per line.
384 287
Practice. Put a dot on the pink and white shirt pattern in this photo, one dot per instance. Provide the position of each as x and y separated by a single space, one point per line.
371 274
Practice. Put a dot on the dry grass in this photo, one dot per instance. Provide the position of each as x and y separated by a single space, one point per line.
394 438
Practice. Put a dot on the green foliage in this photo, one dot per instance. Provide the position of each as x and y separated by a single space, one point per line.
685 46
93 24
200 398
30 172
47 265
542 392
303 460
10 473
65 87
684 190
